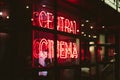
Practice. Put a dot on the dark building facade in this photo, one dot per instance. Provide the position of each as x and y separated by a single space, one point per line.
59 40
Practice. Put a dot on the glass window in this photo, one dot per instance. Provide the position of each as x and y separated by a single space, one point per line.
69 74
111 39
107 71
42 14
67 21
43 49
85 73
68 50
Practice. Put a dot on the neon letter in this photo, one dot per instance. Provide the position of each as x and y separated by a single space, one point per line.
50 21
43 44
68 49
75 54
75 30
60 23
62 52
67 25
42 19
36 49
50 49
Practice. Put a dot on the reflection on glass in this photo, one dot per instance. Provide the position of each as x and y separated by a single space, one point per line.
85 71
111 39
4 38
93 72
43 49
43 52
111 55
42 14
92 52
102 39
42 73
43 19
69 74
45 75
107 71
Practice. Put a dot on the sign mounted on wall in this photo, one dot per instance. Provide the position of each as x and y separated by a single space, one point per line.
64 49
112 3
118 5
43 48
46 20
43 42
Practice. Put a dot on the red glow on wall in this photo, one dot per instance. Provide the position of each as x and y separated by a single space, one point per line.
82 54
46 20
73 1
64 49
36 49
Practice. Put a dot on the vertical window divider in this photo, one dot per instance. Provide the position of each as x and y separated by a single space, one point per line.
55 39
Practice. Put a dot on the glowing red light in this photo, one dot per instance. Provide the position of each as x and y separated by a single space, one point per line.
75 54
64 49
76 2
46 20
36 49
50 49
60 23
99 54
82 54
68 49
42 19
43 45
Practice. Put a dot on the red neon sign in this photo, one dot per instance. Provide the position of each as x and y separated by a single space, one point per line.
46 20
64 49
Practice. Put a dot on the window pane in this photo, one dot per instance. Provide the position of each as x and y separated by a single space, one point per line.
111 39
43 52
69 74
67 21
42 14
67 50
107 71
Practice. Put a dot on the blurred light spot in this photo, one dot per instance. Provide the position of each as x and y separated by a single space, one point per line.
94 36
1 13
27 6
43 5
82 32
77 30
91 27
103 26
7 17
87 21
3 34
32 19
82 25
89 35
